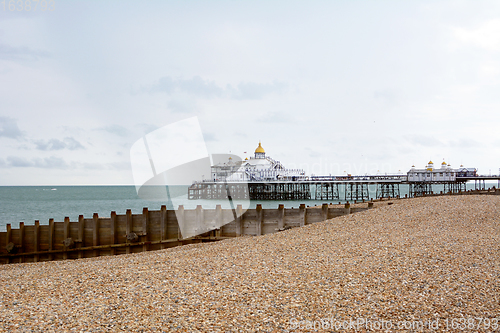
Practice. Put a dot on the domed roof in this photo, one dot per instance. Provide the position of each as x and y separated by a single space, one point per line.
444 163
260 149
430 162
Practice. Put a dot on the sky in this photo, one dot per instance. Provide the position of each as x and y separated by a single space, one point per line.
331 87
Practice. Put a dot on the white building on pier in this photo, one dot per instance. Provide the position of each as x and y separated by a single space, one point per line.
443 174
259 168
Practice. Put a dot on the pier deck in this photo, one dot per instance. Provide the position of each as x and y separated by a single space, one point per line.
330 187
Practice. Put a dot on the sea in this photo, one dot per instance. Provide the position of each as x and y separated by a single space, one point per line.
29 203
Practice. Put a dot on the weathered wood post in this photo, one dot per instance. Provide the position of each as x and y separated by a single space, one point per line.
198 220
95 233
180 221
112 227
218 220
302 215
145 223
66 236
347 208
21 240
324 212
260 217
163 224
36 240
51 238
8 238
128 228
81 234
281 217
239 220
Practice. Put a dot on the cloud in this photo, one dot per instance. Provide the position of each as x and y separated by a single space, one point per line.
15 161
182 105
56 144
195 86
22 53
209 89
45 163
209 137
251 90
50 163
115 129
9 129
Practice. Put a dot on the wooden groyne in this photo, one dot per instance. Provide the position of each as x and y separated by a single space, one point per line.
158 229
151 230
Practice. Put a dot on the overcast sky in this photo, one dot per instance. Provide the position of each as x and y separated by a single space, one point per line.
328 86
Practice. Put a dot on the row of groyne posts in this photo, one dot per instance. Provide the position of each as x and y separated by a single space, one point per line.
159 229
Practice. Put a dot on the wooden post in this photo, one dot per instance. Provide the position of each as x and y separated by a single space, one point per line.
198 220
218 220
128 228
164 224
260 216
113 231
303 215
66 235
324 211
239 220
95 233
81 234
347 208
8 238
21 240
51 237
281 217
36 240
180 221
145 223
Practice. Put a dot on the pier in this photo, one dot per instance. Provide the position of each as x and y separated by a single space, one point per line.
263 178
347 188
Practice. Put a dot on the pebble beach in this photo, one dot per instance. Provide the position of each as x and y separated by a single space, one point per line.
418 265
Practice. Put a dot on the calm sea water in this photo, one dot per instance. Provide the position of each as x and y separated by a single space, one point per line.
30 203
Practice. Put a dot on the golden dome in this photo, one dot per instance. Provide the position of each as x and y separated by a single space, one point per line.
430 162
444 163
259 149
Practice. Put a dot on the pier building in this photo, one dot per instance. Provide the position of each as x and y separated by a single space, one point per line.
255 169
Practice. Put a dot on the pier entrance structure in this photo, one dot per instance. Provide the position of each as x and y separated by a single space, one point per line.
263 178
